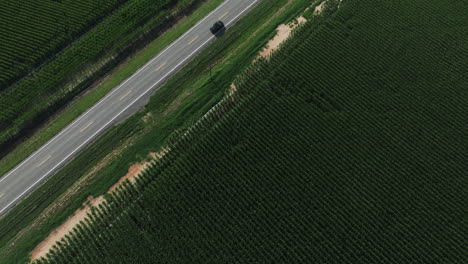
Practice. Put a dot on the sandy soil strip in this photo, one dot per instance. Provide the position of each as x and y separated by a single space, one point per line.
284 31
319 8
80 214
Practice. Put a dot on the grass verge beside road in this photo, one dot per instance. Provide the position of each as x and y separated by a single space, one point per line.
80 105
181 101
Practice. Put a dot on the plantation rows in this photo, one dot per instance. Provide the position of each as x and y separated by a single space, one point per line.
32 31
35 98
336 150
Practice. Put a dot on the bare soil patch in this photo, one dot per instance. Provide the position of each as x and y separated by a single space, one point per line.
319 8
147 117
232 88
269 21
62 202
80 214
283 33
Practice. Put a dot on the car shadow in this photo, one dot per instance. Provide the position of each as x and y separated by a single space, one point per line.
220 32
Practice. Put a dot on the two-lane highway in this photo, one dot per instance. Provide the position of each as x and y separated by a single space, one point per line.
20 181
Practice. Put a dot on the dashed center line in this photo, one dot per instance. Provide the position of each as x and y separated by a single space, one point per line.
86 127
160 67
225 14
195 38
42 162
1 195
125 95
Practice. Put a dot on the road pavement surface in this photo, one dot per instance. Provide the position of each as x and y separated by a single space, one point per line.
28 175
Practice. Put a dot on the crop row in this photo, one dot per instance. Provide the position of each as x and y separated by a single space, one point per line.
31 31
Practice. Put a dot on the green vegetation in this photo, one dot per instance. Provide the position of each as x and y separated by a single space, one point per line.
85 101
184 99
32 100
346 147
32 31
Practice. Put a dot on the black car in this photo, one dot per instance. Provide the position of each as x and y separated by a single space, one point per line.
217 27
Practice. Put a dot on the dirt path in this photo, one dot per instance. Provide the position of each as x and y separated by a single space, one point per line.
319 8
80 214
284 31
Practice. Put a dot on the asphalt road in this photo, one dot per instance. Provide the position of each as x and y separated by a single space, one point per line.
124 99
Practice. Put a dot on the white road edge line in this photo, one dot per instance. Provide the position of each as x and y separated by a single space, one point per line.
125 109
109 94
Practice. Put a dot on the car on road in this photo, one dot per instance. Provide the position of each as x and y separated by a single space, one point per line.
217 27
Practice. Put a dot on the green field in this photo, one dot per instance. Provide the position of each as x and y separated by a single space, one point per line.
29 102
180 102
347 146
32 31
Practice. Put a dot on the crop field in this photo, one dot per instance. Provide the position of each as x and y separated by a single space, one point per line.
29 223
346 146
30 101
31 30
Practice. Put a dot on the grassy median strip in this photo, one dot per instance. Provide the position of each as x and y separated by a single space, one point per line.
181 101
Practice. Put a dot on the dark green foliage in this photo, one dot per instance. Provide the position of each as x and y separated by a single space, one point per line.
33 99
204 95
31 31
348 146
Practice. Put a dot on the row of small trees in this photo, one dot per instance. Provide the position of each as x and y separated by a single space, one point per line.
31 31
